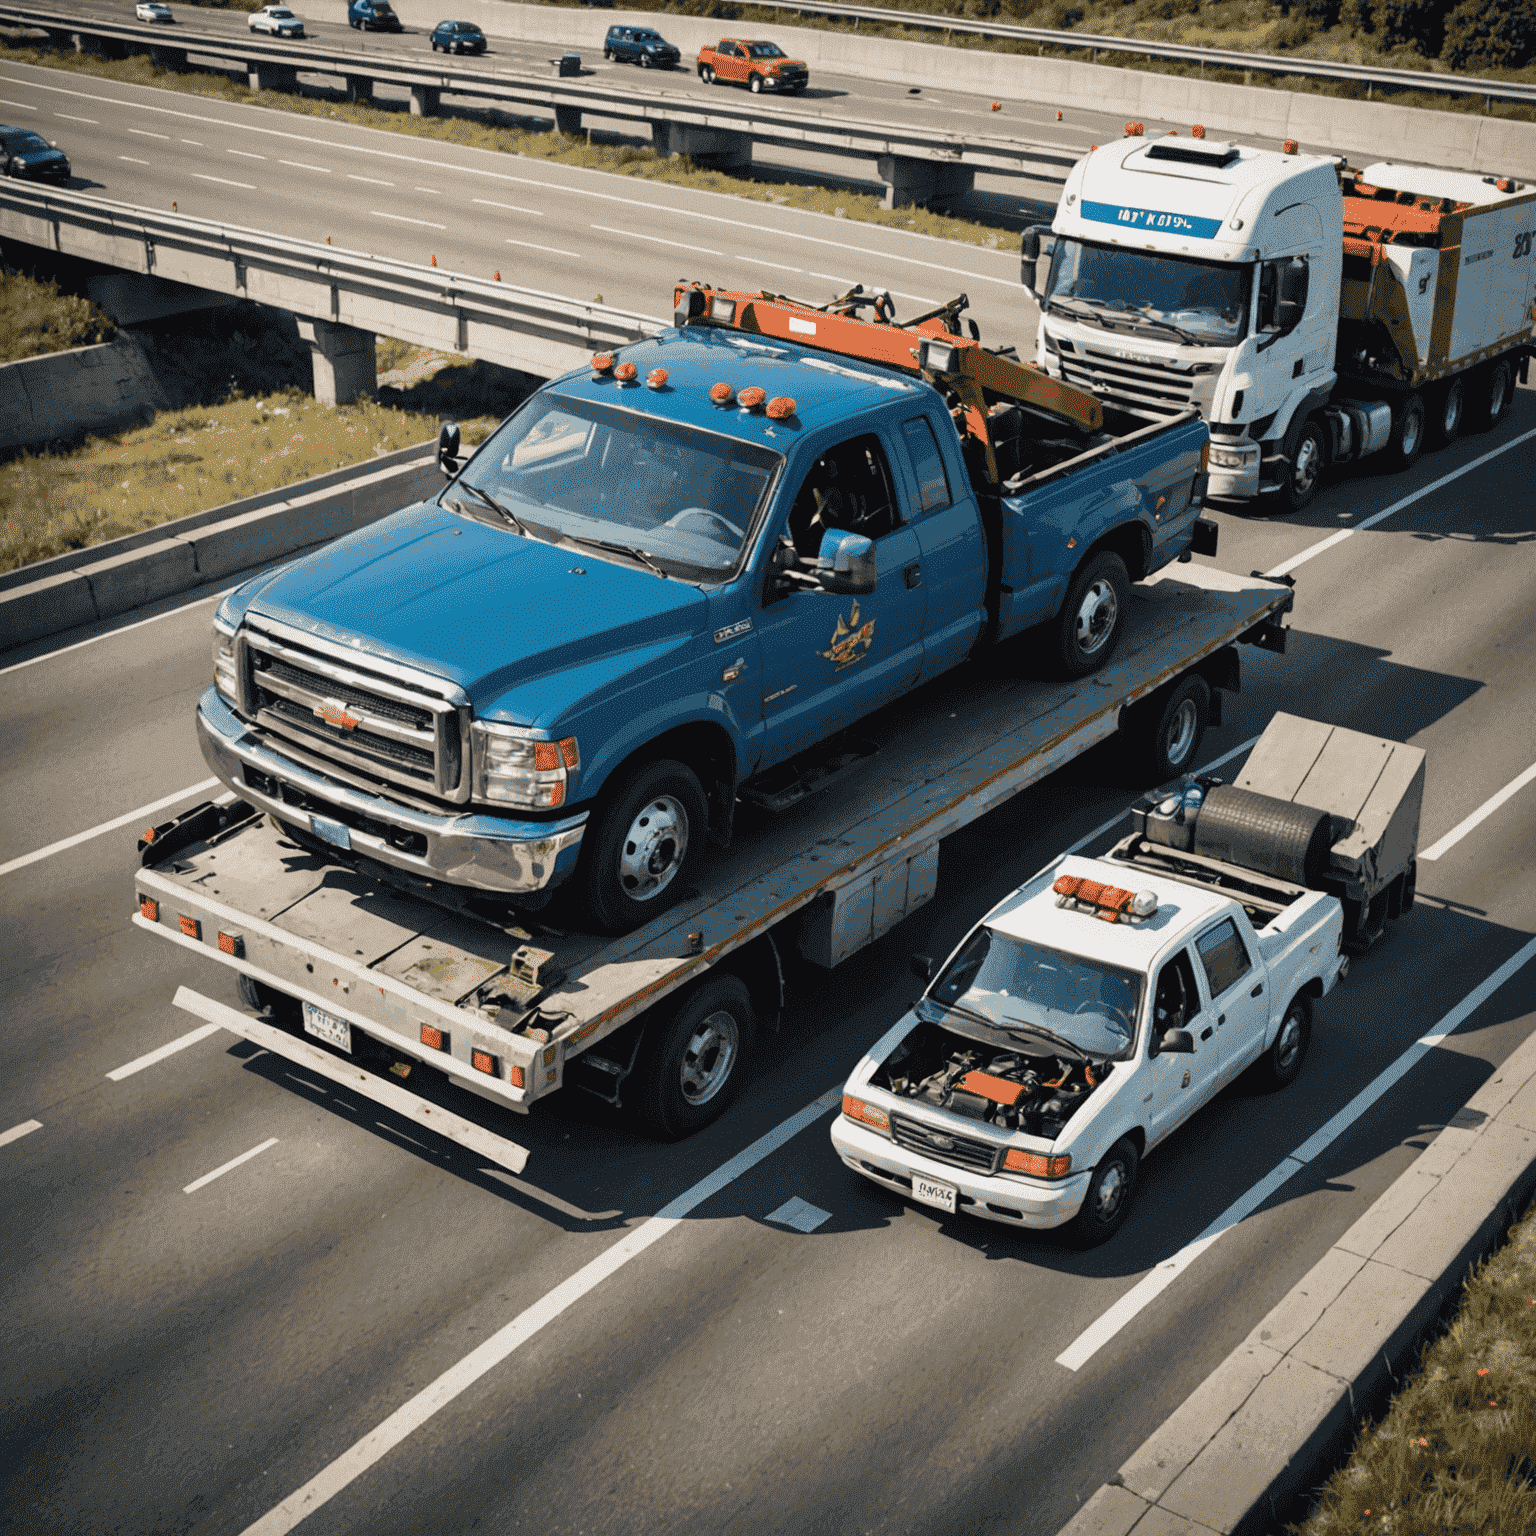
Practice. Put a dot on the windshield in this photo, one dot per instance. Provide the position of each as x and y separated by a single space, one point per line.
687 497
1205 298
648 37
25 143
1013 986
765 50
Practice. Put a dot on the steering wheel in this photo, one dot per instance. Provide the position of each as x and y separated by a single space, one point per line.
677 518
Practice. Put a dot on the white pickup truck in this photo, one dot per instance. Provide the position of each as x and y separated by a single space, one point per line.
1090 1013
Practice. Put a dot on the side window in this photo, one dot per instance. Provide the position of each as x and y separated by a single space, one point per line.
928 464
1176 1000
848 490
1224 957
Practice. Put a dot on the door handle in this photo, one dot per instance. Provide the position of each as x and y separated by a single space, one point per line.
1258 991
1221 1018
914 575
1205 1034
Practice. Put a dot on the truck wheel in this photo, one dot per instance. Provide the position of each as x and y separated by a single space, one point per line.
707 75
1093 616
1450 412
647 841
691 1064
1306 459
1108 1201
1407 441
755 85
1281 1065
1170 746
1495 394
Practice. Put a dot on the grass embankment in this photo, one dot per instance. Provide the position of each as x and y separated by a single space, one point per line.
1456 1451
36 318
187 461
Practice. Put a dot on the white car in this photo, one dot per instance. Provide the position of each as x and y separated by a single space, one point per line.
152 10
277 20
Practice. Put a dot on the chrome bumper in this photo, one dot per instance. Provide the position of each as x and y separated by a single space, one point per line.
487 853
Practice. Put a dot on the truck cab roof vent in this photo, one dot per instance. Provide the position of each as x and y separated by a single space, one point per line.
1209 152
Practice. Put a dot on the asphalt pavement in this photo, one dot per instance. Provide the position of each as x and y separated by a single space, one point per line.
227 1282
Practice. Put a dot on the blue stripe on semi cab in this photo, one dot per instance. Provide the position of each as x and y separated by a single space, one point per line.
1152 218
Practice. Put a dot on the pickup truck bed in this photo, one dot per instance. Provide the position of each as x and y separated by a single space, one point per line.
847 862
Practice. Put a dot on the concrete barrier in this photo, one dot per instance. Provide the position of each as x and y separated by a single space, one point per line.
102 388
116 577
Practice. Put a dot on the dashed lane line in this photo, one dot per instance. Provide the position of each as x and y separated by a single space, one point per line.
16 1132
233 1163
1480 815
400 218
244 186
676 245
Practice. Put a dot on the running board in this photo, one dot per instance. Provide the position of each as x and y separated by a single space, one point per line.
474 1138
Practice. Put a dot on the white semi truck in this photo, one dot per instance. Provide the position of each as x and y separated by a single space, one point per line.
1316 314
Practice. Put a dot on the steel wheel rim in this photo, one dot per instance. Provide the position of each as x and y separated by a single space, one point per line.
1451 419
1411 424
1096 617
1181 733
654 848
1288 1046
1498 387
1110 1192
710 1057
1305 470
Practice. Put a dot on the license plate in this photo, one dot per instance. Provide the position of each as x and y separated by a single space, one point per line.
930 1192
333 832
324 1027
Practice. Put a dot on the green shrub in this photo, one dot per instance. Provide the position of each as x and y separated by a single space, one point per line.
1480 34
1420 24
36 318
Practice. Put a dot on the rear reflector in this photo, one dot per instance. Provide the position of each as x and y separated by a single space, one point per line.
434 1038
190 926
232 944
483 1061
149 909
515 1077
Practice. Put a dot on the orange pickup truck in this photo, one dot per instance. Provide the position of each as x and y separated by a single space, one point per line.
759 66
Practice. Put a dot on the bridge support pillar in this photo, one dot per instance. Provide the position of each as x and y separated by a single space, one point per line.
168 58
424 100
567 119
343 360
721 148
100 47
922 181
264 76
359 88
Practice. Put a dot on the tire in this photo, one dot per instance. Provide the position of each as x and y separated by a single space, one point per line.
1306 458
1169 746
645 61
707 75
1410 885
692 1062
608 54
1108 1201
1494 394
755 84
1092 618
1449 414
646 843
1281 1063
1407 441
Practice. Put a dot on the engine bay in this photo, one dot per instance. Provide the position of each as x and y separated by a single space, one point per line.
1015 1090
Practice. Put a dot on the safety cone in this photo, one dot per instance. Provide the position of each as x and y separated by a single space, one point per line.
1058 114
496 275
997 106
173 207
434 261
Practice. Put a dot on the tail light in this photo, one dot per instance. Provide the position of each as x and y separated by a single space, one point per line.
190 926
433 1037
149 909
483 1061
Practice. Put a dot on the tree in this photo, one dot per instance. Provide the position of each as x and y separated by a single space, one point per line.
1480 35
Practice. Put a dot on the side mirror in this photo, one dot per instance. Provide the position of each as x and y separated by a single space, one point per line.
846 564
921 966
1177 1042
1037 242
448 449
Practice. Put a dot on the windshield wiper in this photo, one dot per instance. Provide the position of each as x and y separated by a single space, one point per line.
1049 1034
1082 309
1166 325
644 557
495 506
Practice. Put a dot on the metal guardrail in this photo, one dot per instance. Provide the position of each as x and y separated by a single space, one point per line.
1185 53
523 328
568 99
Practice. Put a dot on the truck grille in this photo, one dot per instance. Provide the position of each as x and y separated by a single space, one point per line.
389 726
1143 382
945 1146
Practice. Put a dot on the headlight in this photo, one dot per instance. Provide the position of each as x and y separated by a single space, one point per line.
514 769
224 661
867 1114
1232 458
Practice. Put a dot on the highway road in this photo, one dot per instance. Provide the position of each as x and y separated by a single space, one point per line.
235 1298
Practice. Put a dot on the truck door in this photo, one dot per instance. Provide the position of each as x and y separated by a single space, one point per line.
1177 1085
828 660
1239 1005
953 571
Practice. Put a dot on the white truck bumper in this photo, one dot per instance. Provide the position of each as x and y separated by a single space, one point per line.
1013 1202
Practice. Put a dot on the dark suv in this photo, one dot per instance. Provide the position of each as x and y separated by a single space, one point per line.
644 46
30 157
458 37
372 16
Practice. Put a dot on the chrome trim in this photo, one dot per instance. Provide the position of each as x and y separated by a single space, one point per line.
392 730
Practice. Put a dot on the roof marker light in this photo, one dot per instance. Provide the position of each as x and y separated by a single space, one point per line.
781 407
602 362
752 397
722 394
625 373
656 378
1144 904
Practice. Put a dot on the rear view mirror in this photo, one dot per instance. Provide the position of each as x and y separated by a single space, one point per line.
1177 1042
1293 294
1037 244
448 449
846 563
922 967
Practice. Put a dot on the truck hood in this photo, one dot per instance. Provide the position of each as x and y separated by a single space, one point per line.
480 606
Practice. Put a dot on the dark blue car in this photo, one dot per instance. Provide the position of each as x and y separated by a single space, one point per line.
644 46
372 16
30 157
458 37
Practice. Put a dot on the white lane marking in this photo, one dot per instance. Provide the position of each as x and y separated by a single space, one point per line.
372 181
430 191
234 1162
400 218
245 154
244 186
554 250
68 119
1481 814
131 161
677 245
304 165
16 666
140 1062
842 282
144 133
26 106
16 1132
195 143
799 1214
106 826
411 1415
1398 506
486 202
1094 1338
778 266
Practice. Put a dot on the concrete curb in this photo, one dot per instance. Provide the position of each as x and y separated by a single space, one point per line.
109 579
1264 1425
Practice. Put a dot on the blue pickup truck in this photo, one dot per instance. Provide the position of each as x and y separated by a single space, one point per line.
671 571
